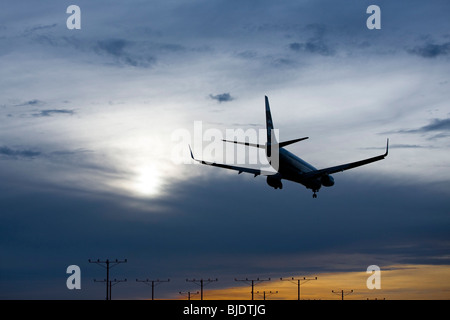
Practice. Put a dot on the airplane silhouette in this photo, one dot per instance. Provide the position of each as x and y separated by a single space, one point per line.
289 166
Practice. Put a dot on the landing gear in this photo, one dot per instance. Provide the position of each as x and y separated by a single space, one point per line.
314 194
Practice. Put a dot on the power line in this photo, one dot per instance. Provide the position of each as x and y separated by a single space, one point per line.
252 281
200 282
157 281
304 279
107 264
342 293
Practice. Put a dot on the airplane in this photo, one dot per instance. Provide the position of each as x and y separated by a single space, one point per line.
291 167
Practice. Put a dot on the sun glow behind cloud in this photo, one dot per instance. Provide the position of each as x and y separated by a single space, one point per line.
148 181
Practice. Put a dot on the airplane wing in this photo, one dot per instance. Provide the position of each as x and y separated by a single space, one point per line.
255 172
347 166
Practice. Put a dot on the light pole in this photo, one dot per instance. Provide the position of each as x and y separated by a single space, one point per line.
299 282
252 281
342 293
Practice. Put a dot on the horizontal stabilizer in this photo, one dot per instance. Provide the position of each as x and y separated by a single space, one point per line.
256 145
285 143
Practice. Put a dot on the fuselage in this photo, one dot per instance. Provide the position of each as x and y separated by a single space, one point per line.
293 168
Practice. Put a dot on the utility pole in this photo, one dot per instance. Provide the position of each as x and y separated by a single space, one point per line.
342 293
107 264
188 294
157 281
304 279
200 282
252 281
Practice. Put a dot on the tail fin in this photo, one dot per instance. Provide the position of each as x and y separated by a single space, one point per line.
271 139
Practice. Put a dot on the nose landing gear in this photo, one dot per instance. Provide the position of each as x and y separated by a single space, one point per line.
314 194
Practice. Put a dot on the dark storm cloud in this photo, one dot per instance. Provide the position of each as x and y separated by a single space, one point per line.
431 50
211 235
223 97
9 153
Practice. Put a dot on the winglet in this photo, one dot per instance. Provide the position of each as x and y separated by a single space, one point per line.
387 148
192 156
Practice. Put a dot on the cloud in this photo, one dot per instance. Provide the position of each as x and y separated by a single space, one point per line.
224 97
7 152
436 125
312 46
329 243
50 112
40 27
171 47
400 146
117 48
431 50
439 136
247 54
34 102
315 44
126 52
114 47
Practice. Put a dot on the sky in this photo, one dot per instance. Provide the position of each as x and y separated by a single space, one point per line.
95 125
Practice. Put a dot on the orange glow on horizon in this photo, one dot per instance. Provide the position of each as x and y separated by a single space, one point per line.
398 282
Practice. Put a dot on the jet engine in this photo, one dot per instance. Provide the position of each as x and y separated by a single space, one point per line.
274 182
327 180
